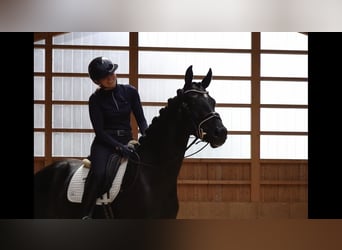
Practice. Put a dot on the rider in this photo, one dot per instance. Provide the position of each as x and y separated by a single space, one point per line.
110 108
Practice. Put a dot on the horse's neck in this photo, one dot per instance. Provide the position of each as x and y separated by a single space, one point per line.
165 142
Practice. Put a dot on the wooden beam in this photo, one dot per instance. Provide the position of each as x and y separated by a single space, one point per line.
133 72
255 138
48 99
45 35
213 182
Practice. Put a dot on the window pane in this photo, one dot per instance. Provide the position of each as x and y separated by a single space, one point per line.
39 144
71 144
70 116
158 90
39 88
221 91
231 40
235 147
284 41
225 64
273 92
75 88
284 65
150 112
39 115
224 91
39 60
93 38
76 61
235 119
72 88
273 119
283 147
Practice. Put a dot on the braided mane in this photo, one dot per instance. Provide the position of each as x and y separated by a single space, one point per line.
172 107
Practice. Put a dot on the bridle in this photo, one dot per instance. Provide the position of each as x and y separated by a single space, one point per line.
211 115
199 132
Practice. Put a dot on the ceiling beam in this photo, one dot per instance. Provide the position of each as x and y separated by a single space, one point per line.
43 35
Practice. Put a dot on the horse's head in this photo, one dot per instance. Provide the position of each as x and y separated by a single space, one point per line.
206 124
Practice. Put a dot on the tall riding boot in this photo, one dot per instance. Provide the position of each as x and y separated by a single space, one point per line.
89 198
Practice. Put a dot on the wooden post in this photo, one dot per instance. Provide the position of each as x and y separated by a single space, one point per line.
255 140
133 72
48 99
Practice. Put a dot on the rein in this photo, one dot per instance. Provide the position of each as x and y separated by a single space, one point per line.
192 143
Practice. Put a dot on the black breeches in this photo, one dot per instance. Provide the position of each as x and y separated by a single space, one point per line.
99 156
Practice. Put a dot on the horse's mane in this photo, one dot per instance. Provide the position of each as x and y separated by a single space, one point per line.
171 107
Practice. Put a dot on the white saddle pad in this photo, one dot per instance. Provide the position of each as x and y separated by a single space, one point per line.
76 186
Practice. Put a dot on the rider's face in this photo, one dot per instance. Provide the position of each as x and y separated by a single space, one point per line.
108 81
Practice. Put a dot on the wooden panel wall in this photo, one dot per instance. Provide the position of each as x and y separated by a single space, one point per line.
221 189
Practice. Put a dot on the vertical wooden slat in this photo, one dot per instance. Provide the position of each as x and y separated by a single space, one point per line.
48 99
255 137
133 72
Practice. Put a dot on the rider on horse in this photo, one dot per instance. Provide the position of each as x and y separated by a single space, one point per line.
110 107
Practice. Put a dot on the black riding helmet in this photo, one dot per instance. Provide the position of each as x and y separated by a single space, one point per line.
100 67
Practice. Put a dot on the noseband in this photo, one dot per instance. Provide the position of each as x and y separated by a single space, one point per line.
199 131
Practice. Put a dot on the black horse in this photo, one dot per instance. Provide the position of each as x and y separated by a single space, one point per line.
149 186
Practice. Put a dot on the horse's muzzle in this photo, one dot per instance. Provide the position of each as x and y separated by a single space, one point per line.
219 137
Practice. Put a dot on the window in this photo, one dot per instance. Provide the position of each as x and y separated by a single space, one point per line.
71 132
71 144
39 60
39 144
284 65
283 147
93 38
224 40
176 63
76 61
284 41
284 119
166 55
39 88
284 110
39 95
284 92
162 60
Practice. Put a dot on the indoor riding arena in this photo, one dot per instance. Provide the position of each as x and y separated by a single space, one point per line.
260 85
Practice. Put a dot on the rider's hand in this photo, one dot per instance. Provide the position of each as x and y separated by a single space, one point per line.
126 151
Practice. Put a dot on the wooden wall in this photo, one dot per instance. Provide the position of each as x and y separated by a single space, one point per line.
221 189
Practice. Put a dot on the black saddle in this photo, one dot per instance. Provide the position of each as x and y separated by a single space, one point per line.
113 165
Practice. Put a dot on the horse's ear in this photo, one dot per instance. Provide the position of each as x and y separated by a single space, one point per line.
188 77
206 80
